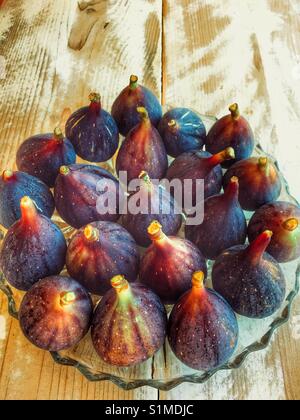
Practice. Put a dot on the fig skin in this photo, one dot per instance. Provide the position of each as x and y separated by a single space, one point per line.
56 313
143 150
99 252
200 165
33 248
129 324
13 187
234 131
42 156
259 182
182 130
203 330
168 265
224 224
283 219
77 194
168 215
124 109
250 279
93 132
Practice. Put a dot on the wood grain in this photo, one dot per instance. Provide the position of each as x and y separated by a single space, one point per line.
45 79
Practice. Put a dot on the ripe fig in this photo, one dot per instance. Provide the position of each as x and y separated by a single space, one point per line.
283 219
200 165
168 265
250 279
224 223
98 252
143 150
233 131
86 193
203 330
33 248
14 186
259 182
42 156
132 97
129 324
56 313
155 203
93 132
182 130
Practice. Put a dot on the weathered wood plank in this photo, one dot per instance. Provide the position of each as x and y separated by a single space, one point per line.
45 79
217 52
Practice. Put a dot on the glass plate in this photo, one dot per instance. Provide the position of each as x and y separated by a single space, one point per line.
164 371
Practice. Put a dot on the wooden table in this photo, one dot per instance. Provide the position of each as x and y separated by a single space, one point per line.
203 54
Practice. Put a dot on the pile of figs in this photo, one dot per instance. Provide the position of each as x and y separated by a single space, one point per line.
136 263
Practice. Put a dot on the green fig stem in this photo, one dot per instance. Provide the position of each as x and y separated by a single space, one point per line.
95 105
119 283
133 84
198 280
291 224
64 170
219 158
58 134
155 232
7 175
91 233
257 248
67 298
263 162
28 209
235 112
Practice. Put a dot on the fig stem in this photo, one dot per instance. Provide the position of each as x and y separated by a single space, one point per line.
133 84
227 154
91 233
235 112
155 232
119 283
232 189
198 280
143 114
258 247
28 209
7 175
145 177
291 224
58 134
66 298
64 170
173 124
263 162
95 105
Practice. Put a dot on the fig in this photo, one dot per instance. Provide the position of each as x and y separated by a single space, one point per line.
250 279
132 97
200 165
233 131
93 132
42 156
86 193
224 224
259 182
129 324
143 150
203 330
157 198
33 248
283 219
16 185
56 313
100 251
168 265
182 130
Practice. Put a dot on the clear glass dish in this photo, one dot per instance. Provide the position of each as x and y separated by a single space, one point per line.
164 371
